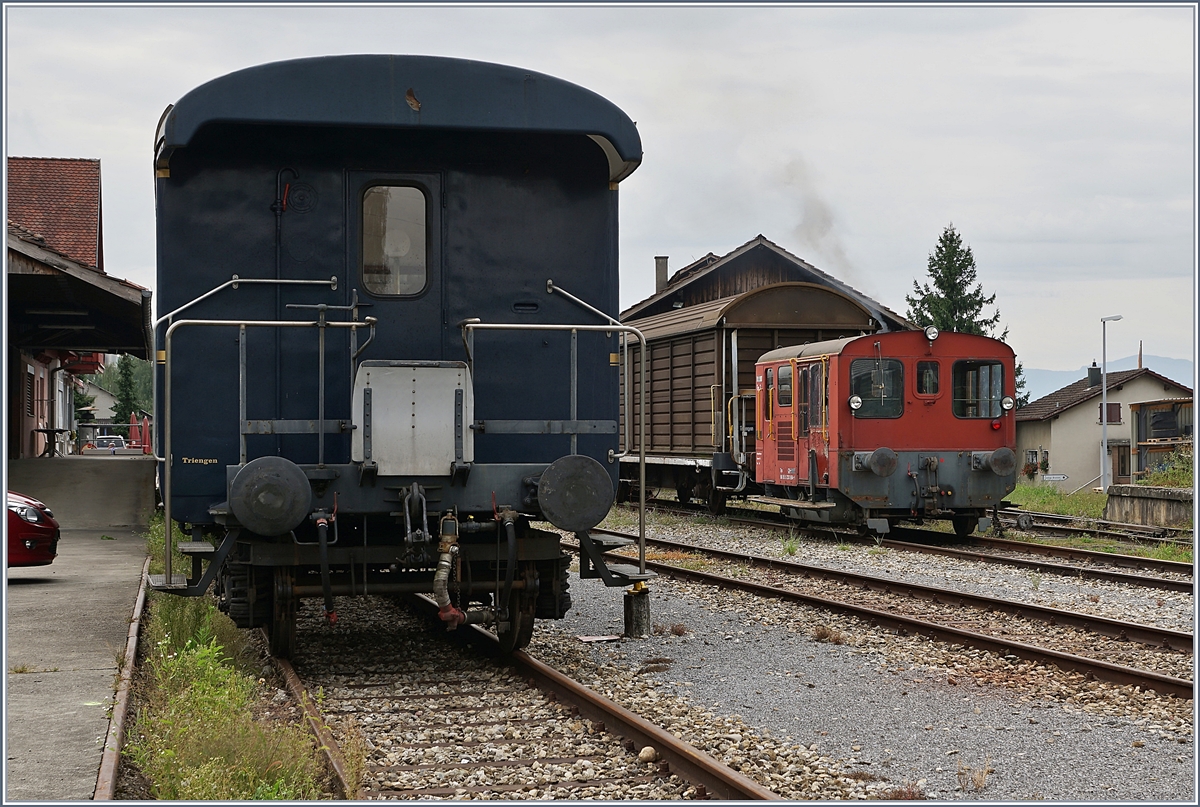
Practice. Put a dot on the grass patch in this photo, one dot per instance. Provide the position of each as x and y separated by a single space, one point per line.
677 557
195 736
1048 499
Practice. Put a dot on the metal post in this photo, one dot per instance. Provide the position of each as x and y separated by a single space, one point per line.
574 387
242 393
1104 463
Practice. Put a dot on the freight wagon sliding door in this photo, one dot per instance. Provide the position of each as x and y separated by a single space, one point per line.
679 384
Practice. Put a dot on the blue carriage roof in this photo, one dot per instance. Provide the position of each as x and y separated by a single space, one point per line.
418 92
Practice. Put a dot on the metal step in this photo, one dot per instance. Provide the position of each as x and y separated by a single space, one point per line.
606 542
196 548
158 582
771 500
630 573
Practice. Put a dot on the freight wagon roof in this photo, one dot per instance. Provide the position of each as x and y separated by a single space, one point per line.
418 92
781 305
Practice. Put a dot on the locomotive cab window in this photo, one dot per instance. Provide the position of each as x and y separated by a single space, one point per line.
927 378
785 385
978 388
802 399
879 383
394 242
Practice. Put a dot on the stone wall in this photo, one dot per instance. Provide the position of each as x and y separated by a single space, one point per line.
1142 504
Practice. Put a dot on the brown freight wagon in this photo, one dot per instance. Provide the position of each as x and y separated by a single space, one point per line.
700 437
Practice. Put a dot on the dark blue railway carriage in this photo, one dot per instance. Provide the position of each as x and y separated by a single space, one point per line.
367 384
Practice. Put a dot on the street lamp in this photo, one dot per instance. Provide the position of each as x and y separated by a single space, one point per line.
1104 463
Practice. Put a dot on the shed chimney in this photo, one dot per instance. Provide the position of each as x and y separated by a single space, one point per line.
660 273
1093 375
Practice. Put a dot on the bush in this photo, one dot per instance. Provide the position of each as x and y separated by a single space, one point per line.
1173 472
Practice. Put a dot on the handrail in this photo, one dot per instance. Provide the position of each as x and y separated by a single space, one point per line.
469 326
166 458
235 281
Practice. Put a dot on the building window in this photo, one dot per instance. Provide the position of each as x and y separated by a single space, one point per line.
880 384
1114 412
394 253
927 378
1031 457
1123 460
978 388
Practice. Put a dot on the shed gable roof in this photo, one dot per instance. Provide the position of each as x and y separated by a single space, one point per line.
1079 392
804 272
58 200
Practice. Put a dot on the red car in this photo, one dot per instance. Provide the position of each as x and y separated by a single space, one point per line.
32 532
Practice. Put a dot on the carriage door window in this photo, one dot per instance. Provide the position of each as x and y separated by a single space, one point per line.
785 386
978 388
394 253
927 378
879 383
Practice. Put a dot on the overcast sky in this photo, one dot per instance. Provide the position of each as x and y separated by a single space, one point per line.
1059 141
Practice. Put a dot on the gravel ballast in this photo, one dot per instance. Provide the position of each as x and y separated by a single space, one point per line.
908 710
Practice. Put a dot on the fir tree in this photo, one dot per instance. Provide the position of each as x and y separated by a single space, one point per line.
955 301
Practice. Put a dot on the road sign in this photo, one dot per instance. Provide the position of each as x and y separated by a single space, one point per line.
1054 477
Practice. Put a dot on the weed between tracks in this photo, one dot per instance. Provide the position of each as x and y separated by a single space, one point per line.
195 734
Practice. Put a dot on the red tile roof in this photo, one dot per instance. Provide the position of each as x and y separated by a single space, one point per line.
1076 393
59 200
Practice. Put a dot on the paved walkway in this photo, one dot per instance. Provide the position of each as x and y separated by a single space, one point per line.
66 623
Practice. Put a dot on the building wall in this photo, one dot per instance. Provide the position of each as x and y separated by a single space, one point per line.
1076 433
1032 435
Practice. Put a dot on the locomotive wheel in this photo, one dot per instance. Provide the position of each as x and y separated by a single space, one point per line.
283 616
964 525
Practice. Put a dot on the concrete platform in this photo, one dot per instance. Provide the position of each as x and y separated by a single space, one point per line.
66 623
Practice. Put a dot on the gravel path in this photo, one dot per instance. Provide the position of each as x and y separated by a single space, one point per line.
885 708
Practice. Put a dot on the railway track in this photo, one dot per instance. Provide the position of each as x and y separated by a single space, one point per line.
1082 562
941 615
450 720
1070 525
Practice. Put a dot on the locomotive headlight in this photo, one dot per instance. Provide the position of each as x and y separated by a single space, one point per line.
855 402
1007 402
931 333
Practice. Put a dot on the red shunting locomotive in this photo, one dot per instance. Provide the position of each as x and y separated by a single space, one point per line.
897 426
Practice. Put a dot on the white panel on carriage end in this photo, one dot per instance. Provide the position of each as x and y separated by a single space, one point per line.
414 421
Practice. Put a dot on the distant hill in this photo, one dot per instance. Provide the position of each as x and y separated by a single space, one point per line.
1040 383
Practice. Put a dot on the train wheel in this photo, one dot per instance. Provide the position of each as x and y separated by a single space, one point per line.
716 501
964 525
684 492
283 616
521 617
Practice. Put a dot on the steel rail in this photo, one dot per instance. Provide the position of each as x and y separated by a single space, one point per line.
1028 547
316 724
1114 628
1150 531
1103 670
719 780
1088 555
1043 566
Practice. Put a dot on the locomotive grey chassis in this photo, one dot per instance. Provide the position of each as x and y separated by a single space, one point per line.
306 461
